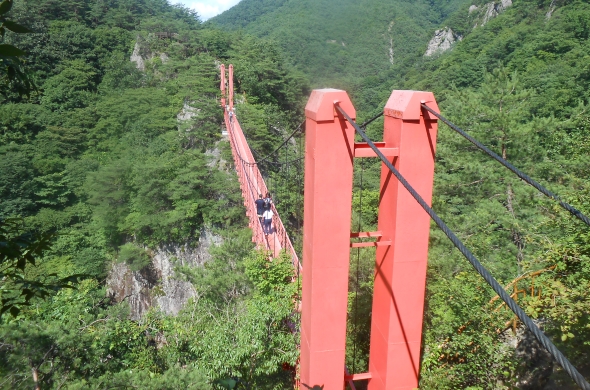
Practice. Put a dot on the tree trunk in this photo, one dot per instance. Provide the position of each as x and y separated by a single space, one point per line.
36 378
517 238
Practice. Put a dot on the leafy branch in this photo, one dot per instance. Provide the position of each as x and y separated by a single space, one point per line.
10 63
17 250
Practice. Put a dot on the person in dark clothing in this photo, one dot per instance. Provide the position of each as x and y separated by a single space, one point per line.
268 201
260 209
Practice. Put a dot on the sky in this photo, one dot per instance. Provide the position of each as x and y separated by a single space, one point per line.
207 8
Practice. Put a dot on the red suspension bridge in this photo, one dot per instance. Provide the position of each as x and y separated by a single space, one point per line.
407 153
251 181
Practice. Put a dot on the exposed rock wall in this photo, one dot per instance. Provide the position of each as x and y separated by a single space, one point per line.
137 57
156 285
493 9
444 38
142 53
442 41
538 362
187 112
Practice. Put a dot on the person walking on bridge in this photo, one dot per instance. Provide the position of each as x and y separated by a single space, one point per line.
260 209
268 201
268 214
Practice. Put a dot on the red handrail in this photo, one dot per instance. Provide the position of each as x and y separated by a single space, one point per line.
252 184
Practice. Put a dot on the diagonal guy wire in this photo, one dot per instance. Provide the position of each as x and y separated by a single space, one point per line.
575 212
526 320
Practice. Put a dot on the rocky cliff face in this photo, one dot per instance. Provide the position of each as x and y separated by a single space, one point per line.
444 38
490 10
537 363
156 285
537 370
142 53
442 41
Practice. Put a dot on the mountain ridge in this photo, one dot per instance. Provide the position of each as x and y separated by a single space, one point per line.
334 45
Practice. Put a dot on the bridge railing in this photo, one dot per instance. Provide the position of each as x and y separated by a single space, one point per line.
252 185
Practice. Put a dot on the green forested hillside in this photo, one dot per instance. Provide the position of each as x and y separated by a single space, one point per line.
519 84
108 161
338 42
518 81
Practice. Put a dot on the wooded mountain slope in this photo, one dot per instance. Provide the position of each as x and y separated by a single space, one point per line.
338 41
114 160
517 78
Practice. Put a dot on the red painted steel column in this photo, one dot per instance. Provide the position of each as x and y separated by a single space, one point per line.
231 87
222 86
400 273
329 150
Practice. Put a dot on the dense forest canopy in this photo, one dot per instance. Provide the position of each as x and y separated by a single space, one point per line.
107 161
336 43
115 152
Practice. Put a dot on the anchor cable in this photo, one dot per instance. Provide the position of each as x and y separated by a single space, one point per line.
366 123
358 254
280 146
487 276
575 212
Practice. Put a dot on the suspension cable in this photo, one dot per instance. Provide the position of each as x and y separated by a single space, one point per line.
242 159
526 320
358 254
575 212
261 162
280 146
286 190
371 120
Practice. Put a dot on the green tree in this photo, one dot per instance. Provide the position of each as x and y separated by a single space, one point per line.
73 87
19 251
13 77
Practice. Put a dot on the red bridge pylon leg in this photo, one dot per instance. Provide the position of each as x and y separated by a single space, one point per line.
329 150
231 87
400 274
222 84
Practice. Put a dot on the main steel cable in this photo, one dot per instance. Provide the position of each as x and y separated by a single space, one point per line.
575 212
300 178
283 144
286 190
371 120
498 289
261 163
242 159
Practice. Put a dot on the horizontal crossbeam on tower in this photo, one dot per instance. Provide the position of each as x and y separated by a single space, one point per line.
369 244
362 149
365 234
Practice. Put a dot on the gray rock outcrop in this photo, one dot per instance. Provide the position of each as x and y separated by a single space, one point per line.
137 58
444 38
442 41
538 362
156 285
491 10
142 52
